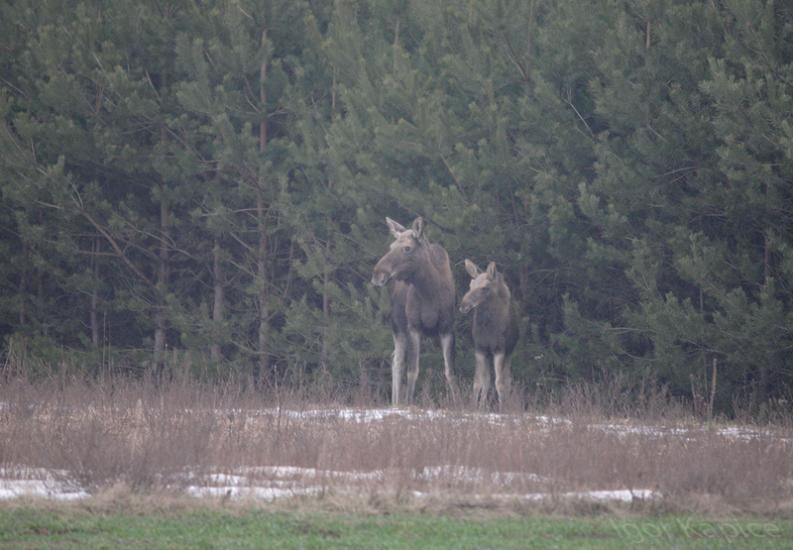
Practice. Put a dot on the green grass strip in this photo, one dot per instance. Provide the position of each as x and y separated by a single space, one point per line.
31 527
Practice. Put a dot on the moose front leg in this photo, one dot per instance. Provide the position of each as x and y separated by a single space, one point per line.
398 366
503 378
447 346
481 380
413 362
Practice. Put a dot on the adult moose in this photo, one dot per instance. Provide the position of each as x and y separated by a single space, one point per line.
421 288
495 329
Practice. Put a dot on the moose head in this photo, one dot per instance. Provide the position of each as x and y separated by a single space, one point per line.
483 285
405 255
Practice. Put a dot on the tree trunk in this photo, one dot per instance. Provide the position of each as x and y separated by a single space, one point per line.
22 290
326 271
323 360
94 317
766 255
763 383
529 51
215 352
263 362
161 286
161 291
261 274
396 44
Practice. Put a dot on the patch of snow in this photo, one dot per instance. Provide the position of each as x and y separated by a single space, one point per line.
623 495
361 416
262 493
640 429
312 473
346 414
349 414
749 434
280 471
226 479
543 419
475 475
689 433
17 488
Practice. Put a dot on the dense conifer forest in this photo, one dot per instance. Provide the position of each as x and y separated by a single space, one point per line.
202 186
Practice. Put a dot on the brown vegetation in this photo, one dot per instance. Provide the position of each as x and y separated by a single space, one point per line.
166 437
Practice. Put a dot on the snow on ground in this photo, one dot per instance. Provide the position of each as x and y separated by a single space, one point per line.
290 482
620 495
277 482
285 481
37 482
625 428
250 492
348 414
15 488
475 475
737 433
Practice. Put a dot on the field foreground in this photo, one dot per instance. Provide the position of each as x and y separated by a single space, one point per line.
75 442
139 526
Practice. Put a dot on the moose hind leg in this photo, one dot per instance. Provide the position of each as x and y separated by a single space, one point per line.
397 366
503 378
447 346
413 363
481 379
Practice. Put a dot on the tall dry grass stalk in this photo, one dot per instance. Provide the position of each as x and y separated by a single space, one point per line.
166 436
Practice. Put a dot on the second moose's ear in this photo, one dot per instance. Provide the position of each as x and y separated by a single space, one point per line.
491 270
472 269
418 227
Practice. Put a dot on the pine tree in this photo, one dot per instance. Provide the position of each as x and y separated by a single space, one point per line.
211 181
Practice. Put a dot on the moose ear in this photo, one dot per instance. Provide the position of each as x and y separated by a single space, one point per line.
491 270
472 269
394 227
418 227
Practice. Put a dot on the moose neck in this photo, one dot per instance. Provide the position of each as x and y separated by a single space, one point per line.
425 278
498 302
502 293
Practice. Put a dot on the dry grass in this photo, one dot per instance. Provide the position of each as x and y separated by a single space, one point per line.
135 436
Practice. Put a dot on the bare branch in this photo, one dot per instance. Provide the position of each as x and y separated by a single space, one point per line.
113 243
581 118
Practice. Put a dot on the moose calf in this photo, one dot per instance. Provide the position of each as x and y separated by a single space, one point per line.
495 329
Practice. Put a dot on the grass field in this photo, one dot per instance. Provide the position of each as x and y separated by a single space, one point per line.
70 526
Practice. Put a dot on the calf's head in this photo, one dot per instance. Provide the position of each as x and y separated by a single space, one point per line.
483 285
405 254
